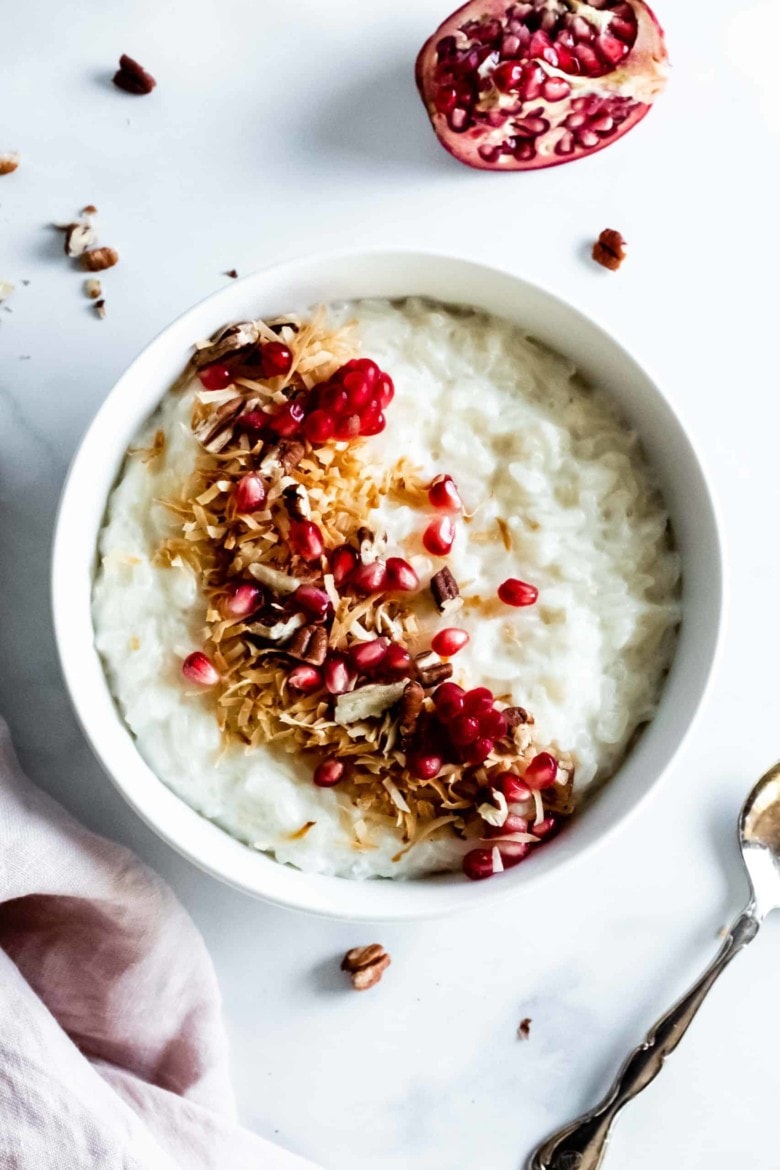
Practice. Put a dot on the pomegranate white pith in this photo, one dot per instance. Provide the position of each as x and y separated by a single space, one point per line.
580 522
535 84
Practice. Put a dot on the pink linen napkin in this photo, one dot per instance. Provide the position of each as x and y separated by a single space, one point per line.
112 1054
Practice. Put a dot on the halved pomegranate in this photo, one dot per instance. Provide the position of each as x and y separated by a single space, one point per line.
519 86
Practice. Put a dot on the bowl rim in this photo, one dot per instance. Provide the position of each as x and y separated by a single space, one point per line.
434 900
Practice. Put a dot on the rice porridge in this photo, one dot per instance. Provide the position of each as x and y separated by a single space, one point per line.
386 589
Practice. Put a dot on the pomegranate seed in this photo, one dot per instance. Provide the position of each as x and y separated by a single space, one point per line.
517 593
385 391
477 752
276 359
398 660
370 578
197 668
513 852
514 789
343 561
329 772
449 642
372 422
347 427
444 494
439 536
333 398
401 576
305 679
215 377
312 601
306 539
448 700
339 675
541 772
424 765
493 724
256 420
545 828
478 864
478 702
512 824
289 419
243 601
250 494
464 730
508 75
319 426
359 389
366 655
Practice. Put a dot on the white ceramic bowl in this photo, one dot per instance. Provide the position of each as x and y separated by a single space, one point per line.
296 285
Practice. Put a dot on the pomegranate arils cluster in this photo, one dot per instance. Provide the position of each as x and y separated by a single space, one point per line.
516 86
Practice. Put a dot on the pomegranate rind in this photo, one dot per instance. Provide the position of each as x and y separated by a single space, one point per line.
639 80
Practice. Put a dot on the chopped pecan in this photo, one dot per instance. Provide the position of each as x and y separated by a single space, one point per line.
446 593
280 325
285 457
365 965
231 272
411 706
78 237
524 1029
372 545
96 259
296 501
228 341
277 581
434 675
132 77
280 631
610 249
9 162
100 308
93 288
216 432
310 644
515 716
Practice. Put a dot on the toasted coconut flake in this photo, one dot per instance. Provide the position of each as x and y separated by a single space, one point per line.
395 795
276 580
367 702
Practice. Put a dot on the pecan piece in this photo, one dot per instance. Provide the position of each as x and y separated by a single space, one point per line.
524 1028
515 716
216 432
228 341
446 593
610 249
372 545
96 259
296 501
434 675
310 644
132 77
285 456
411 705
78 237
365 965
9 162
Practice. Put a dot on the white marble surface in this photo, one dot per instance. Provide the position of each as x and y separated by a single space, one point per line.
279 128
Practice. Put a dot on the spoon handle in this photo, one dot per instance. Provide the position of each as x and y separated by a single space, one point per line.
582 1144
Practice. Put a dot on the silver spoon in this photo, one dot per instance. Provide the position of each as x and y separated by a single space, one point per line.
582 1144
